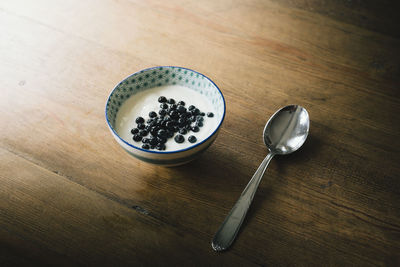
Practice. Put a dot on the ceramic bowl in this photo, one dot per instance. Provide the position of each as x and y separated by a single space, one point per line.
160 76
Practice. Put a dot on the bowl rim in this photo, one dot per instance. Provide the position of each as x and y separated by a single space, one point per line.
166 152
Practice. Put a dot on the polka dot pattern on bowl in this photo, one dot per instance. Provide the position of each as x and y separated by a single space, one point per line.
161 76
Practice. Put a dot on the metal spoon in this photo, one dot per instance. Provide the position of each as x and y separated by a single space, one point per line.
284 133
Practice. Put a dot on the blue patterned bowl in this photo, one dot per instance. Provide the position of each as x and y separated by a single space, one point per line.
160 76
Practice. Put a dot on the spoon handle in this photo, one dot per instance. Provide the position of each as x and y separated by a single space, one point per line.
230 227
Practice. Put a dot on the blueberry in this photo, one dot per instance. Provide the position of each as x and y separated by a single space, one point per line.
154 130
199 118
162 99
176 129
172 107
181 121
139 120
162 112
149 120
199 124
181 103
162 133
137 138
141 126
174 114
152 146
183 131
160 146
191 107
170 134
195 129
152 114
163 106
192 139
143 132
193 118
153 141
181 109
145 140
188 127
134 130
179 138
210 114
171 101
195 111
202 114
161 140
170 125
145 146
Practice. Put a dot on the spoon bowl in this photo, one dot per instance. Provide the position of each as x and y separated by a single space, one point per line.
284 133
287 130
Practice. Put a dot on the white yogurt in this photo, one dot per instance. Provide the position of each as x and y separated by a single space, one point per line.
142 103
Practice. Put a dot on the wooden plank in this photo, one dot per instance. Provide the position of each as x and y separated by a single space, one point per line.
375 16
297 42
43 210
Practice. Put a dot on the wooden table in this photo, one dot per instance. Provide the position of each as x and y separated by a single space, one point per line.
69 195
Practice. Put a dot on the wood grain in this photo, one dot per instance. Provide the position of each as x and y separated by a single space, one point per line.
70 195
76 223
